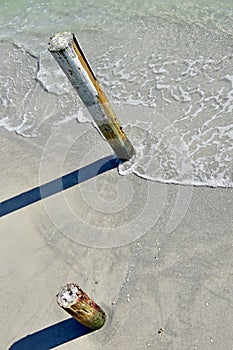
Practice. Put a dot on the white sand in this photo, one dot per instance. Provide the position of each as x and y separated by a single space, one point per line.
181 281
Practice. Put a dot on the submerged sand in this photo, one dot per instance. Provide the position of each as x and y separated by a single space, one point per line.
179 279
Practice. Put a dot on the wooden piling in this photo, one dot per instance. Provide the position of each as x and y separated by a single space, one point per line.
66 49
80 306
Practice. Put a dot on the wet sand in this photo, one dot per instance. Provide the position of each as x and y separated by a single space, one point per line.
178 278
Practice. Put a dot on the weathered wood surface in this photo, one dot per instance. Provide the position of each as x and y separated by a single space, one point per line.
66 49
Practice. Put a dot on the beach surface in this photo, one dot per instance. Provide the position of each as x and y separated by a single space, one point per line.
150 241
169 289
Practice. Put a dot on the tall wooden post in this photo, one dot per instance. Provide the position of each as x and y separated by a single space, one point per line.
66 49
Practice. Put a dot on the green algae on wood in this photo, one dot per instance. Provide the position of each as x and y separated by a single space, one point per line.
80 306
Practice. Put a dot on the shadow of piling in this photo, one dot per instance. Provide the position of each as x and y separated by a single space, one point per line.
60 184
52 336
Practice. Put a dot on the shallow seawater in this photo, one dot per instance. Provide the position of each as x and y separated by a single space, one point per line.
169 65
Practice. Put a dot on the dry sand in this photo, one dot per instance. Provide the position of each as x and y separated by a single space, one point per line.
181 280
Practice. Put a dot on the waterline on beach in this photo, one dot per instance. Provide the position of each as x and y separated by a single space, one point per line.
166 67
